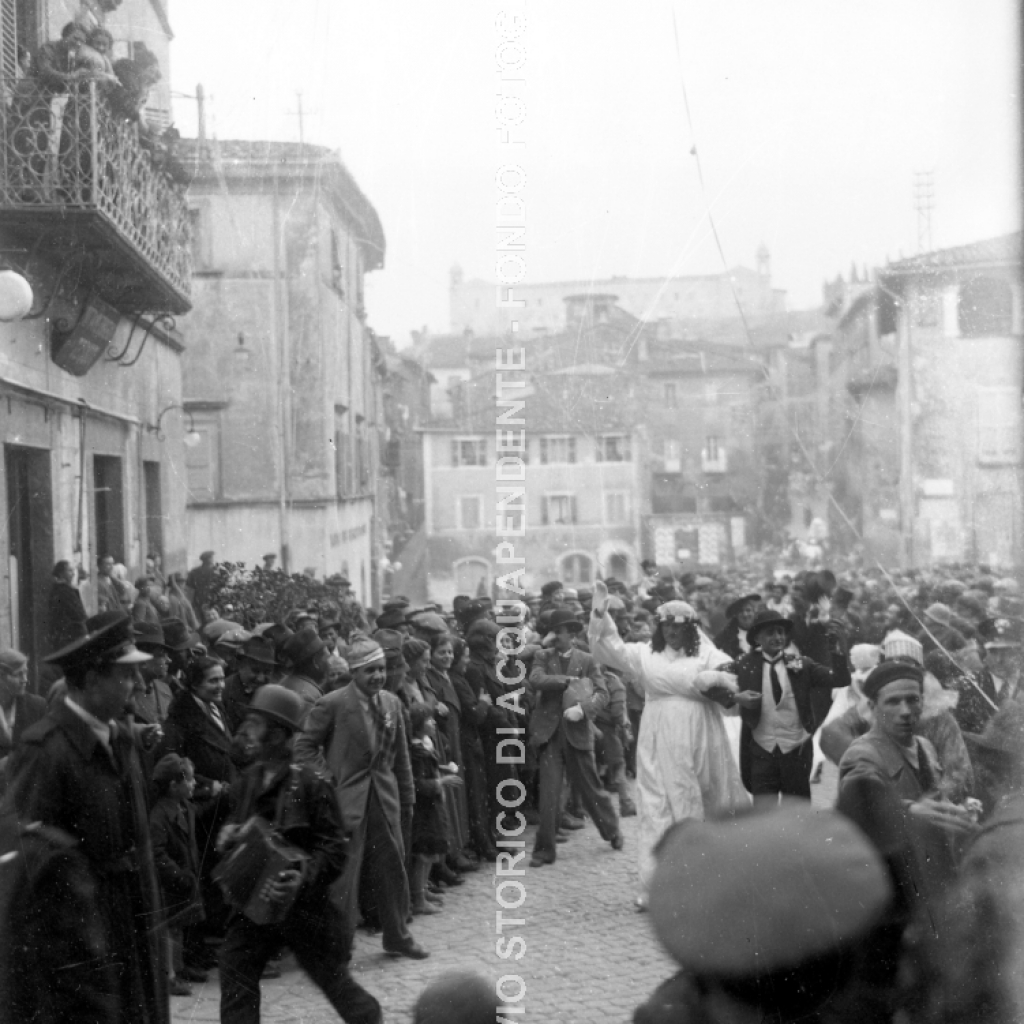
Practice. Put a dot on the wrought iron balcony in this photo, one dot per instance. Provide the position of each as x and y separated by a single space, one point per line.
77 181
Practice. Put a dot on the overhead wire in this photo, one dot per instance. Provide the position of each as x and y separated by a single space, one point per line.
819 478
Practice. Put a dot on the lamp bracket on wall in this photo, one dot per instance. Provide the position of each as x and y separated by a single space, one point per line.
165 320
191 437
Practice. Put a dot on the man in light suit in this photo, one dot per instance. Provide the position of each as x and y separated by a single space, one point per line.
357 735
570 692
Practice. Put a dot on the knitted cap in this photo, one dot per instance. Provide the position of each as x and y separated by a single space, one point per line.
899 645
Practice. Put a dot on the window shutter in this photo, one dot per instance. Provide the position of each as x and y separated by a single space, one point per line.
9 39
544 511
572 449
572 508
455 452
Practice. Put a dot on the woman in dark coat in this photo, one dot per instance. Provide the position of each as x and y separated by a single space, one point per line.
196 727
473 712
441 655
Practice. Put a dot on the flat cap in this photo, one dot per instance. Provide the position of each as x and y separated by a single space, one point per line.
761 892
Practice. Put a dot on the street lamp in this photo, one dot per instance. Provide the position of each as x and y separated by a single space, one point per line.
15 295
192 436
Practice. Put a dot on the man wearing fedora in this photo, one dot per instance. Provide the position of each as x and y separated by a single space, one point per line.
569 691
154 700
77 770
255 667
776 748
356 736
302 808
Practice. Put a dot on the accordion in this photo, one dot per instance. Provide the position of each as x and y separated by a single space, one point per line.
247 871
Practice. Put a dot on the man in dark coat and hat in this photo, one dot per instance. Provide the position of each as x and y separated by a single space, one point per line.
67 613
776 748
570 691
78 771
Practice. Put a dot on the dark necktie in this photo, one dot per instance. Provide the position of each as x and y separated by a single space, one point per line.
379 728
776 684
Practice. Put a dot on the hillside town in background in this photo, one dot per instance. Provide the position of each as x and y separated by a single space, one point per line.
197 371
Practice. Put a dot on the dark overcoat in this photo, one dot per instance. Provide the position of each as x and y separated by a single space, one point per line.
548 682
61 775
172 826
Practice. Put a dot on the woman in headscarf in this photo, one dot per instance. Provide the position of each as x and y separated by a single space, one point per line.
684 765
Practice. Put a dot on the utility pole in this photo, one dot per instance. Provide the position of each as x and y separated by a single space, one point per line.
300 114
924 203
905 388
201 109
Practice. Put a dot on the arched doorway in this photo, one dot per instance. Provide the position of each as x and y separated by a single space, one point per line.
576 569
472 577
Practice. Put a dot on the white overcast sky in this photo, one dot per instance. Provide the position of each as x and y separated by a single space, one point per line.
811 117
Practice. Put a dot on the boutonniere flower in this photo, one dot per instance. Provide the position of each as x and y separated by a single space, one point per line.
387 720
793 661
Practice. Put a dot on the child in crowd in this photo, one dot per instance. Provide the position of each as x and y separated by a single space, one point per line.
429 821
172 827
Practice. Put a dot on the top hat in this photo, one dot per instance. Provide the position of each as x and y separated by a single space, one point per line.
109 640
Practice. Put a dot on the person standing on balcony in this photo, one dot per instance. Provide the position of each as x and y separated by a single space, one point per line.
56 63
93 57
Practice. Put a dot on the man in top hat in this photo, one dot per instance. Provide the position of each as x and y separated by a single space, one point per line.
740 613
570 692
774 916
78 771
302 808
776 746
357 736
255 668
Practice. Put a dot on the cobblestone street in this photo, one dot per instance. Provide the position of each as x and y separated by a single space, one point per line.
590 957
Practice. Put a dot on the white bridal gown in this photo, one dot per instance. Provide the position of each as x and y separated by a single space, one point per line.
685 767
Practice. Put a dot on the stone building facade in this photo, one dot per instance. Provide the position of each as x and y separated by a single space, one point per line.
284 378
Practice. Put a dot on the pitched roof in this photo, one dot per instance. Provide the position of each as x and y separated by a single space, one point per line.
1001 250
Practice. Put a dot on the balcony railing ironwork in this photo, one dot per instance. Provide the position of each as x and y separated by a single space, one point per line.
80 179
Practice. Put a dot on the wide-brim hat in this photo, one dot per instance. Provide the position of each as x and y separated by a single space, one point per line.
748 896
563 618
733 610
260 650
109 640
213 631
178 637
766 617
149 634
301 647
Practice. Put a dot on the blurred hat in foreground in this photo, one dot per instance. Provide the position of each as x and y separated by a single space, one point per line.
766 891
